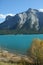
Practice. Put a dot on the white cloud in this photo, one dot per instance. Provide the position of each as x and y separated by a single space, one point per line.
2 16
10 14
40 10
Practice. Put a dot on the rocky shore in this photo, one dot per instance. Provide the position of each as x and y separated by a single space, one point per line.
6 56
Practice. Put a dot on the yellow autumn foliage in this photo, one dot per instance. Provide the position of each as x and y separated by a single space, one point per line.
36 50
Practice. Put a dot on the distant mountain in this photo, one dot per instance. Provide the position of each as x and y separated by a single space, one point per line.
30 21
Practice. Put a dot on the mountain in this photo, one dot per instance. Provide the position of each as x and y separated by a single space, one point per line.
30 21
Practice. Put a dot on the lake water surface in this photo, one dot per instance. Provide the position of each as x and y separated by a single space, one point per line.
20 43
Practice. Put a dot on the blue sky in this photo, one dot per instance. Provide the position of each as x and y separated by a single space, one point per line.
13 7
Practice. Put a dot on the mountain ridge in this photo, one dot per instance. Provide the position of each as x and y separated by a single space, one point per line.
25 22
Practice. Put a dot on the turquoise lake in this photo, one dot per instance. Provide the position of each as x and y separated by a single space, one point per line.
19 43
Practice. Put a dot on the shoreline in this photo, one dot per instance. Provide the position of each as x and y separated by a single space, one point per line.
6 56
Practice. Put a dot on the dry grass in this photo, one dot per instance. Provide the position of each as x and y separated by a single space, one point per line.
2 63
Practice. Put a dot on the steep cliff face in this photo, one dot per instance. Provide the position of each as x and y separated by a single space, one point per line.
31 20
